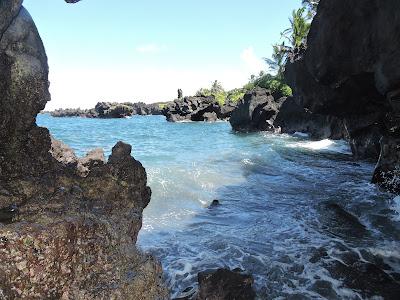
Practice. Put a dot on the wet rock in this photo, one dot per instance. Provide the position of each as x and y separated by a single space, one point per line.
325 289
387 171
366 278
224 284
73 236
359 87
188 294
318 254
340 222
214 204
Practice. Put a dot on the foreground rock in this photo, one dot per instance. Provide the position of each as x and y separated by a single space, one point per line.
108 110
202 108
224 284
69 225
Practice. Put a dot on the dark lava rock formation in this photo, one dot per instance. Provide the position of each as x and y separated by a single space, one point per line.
68 226
224 284
350 71
201 108
346 84
256 111
108 110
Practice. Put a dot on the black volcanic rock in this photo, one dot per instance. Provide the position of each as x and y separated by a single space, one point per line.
350 72
224 284
68 225
199 108
259 111
256 111
108 110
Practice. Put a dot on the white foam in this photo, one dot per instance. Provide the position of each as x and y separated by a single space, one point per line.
396 208
301 134
324 145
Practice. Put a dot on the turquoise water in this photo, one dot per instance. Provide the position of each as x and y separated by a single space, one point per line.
272 190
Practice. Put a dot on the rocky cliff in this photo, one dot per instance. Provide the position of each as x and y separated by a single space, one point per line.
346 84
350 71
68 226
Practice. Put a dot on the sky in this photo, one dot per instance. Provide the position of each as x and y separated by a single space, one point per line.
131 50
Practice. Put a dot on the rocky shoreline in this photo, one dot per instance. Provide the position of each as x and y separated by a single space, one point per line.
198 109
341 94
108 110
69 225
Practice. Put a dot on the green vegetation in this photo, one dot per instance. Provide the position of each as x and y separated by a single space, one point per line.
297 33
215 90
294 42
274 83
162 105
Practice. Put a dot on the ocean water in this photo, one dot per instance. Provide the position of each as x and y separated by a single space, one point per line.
276 194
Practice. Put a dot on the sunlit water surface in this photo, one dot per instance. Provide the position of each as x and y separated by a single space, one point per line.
272 189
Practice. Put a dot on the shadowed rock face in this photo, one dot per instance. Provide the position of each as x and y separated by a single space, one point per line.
351 71
68 226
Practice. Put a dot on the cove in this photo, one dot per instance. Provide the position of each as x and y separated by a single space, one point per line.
292 210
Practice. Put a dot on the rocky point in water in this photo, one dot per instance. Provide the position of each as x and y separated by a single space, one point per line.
68 225
107 110
346 85
199 108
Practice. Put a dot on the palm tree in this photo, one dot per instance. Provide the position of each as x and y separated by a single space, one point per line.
278 60
298 31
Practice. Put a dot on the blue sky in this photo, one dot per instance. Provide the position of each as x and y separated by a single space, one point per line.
128 50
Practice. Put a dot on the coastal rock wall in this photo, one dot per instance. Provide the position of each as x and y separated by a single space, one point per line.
68 226
350 71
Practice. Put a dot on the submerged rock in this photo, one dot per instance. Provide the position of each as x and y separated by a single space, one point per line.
367 279
73 233
340 222
224 284
214 204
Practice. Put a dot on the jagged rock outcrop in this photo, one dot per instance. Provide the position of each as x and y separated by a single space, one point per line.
346 84
68 226
260 111
349 75
108 110
199 108
224 284
256 111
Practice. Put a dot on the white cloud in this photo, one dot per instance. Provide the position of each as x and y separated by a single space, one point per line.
79 87
151 48
252 62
